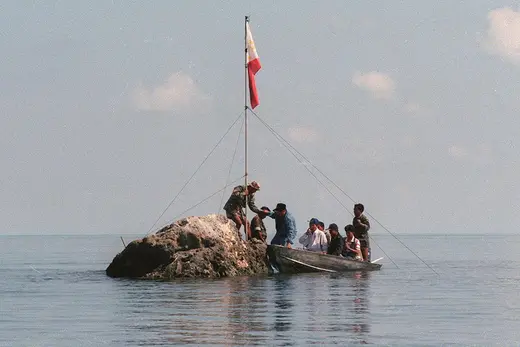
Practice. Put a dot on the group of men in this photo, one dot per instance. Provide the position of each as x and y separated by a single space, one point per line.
356 245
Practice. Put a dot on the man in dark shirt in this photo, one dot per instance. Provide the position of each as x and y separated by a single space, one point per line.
361 227
336 241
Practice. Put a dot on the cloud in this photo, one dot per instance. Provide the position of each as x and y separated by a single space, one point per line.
380 85
179 92
503 34
302 134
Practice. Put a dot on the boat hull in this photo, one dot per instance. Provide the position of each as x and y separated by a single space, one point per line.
288 260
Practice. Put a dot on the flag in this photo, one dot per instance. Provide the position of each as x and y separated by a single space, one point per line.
253 65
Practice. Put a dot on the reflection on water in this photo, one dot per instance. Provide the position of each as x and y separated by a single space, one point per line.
282 296
361 325
250 310
245 310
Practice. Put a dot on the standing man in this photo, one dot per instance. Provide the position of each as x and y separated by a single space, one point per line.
258 229
237 202
361 226
314 239
285 226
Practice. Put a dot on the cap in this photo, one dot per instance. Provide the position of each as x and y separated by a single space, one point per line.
314 221
280 207
265 208
255 185
333 226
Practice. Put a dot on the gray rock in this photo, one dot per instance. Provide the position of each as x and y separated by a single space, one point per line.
193 247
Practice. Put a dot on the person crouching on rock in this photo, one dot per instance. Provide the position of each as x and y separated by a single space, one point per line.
258 229
285 226
237 202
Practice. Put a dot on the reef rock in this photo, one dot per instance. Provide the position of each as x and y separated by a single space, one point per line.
193 247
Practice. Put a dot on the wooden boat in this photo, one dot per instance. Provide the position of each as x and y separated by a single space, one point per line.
290 260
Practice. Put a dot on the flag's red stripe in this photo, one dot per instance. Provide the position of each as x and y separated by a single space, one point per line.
254 65
252 68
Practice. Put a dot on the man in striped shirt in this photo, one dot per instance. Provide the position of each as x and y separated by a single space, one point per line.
352 247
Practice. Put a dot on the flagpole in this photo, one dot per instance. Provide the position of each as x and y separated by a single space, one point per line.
245 110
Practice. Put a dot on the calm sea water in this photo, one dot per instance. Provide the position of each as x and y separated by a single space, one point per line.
54 292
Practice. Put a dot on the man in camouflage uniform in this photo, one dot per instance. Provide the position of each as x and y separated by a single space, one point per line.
258 229
237 202
361 227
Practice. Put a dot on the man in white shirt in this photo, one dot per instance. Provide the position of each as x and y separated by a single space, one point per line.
314 239
321 226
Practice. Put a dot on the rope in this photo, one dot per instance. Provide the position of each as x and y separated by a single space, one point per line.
231 166
278 136
193 175
282 140
304 157
382 250
212 195
207 198
408 248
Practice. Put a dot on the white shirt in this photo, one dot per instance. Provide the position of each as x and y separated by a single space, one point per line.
357 246
314 241
327 234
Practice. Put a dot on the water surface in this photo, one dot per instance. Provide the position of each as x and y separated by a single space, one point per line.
54 292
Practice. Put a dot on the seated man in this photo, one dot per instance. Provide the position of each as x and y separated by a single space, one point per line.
352 247
258 229
336 241
314 239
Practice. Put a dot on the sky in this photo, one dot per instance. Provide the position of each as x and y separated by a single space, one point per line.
107 108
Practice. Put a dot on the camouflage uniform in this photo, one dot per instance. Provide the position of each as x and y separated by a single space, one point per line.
258 229
360 232
237 202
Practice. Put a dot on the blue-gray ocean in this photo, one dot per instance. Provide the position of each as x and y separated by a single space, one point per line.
54 292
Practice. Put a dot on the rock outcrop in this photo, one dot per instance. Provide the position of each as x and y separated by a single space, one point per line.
208 246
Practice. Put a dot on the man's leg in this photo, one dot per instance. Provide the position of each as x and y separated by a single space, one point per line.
235 217
247 227
364 249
